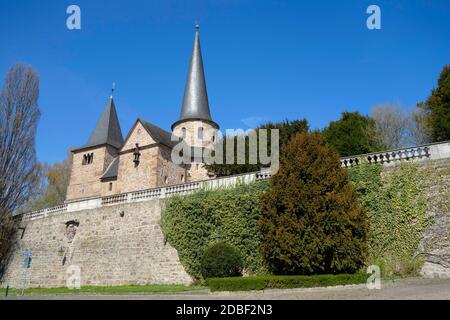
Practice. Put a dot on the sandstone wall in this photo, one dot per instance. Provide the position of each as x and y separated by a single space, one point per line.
196 170
143 176
435 245
191 132
138 135
85 179
109 249
169 173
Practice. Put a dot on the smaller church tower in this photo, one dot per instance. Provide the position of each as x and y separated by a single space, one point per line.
195 125
91 160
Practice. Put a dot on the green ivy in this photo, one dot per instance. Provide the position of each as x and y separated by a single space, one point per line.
192 223
396 203
394 198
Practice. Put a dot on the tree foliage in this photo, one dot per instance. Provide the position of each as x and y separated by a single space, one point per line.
54 183
437 107
19 116
312 222
287 129
353 134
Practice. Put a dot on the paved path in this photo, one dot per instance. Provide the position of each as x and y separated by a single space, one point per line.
414 288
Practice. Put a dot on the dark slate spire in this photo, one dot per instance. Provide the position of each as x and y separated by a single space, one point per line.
107 130
195 100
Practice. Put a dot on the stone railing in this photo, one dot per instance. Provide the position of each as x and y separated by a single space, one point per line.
44 212
144 195
434 151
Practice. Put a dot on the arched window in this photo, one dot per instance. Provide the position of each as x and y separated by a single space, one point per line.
110 186
183 133
88 158
200 133
182 178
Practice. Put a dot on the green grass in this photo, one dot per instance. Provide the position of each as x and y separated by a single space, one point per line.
214 284
283 282
105 290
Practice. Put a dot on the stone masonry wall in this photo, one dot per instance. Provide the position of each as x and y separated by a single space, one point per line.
109 249
196 170
143 176
169 173
85 179
435 245
191 128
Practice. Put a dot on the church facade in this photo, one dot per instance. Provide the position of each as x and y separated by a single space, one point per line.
110 164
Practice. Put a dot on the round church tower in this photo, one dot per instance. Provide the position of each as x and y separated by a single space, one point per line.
195 124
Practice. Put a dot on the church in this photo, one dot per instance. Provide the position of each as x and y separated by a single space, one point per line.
110 164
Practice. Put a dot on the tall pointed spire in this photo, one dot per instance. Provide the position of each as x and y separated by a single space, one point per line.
195 100
107 130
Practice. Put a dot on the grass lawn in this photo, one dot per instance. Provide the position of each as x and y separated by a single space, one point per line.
157 288
214 284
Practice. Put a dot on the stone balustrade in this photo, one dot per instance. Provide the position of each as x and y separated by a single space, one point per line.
114 199
434 151
144 195
182 189
44 212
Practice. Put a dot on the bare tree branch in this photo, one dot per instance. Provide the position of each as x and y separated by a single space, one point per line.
19 116
393 126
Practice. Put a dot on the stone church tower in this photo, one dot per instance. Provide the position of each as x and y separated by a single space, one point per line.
195 124
91 160
108 164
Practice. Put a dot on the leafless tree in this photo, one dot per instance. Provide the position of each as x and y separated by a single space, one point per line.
420 127
19 116
393 125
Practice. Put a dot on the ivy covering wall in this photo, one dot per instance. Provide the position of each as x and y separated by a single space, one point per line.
395 201
194 222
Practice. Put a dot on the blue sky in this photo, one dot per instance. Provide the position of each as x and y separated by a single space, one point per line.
264 60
